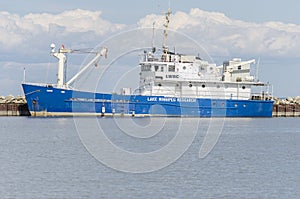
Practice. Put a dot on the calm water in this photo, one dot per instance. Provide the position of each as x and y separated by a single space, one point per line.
253 158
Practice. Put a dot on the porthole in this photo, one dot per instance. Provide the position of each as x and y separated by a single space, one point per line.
190 85
203 85
243 87
159 84
236 105
244 105
218 86
184 67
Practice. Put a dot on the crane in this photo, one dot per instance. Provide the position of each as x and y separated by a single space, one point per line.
61 56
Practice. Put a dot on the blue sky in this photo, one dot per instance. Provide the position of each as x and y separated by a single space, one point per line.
269 30
131 10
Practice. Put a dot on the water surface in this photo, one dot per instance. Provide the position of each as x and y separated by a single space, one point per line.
253 158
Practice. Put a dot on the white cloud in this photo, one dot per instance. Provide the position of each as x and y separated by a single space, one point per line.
220 34
75 21
22 32
217 33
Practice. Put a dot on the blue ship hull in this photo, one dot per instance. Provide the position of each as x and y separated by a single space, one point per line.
50 101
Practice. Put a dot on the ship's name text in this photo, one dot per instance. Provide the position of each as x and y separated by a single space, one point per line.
172 76
170 99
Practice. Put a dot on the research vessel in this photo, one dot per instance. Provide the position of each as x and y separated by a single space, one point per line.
170 84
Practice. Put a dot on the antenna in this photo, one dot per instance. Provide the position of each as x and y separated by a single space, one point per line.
153 32
256 70
24 74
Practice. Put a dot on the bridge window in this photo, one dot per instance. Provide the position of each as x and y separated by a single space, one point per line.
156 68
172 68
146 68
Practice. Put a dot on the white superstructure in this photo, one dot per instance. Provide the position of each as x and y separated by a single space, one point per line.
171 74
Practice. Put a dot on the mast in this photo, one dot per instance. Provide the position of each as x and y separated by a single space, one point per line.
256 70
165 48
153 32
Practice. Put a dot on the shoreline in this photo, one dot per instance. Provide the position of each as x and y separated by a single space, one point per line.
21 109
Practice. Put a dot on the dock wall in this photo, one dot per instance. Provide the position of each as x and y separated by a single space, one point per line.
288 110
14 109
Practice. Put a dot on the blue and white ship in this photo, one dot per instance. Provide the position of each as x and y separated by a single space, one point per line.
171 84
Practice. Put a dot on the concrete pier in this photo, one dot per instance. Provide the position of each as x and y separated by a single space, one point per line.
289 107
13 109
286 110
13 106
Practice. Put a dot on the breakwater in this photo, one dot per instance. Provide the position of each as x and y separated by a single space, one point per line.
288 107
286 110
17 106
13 106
